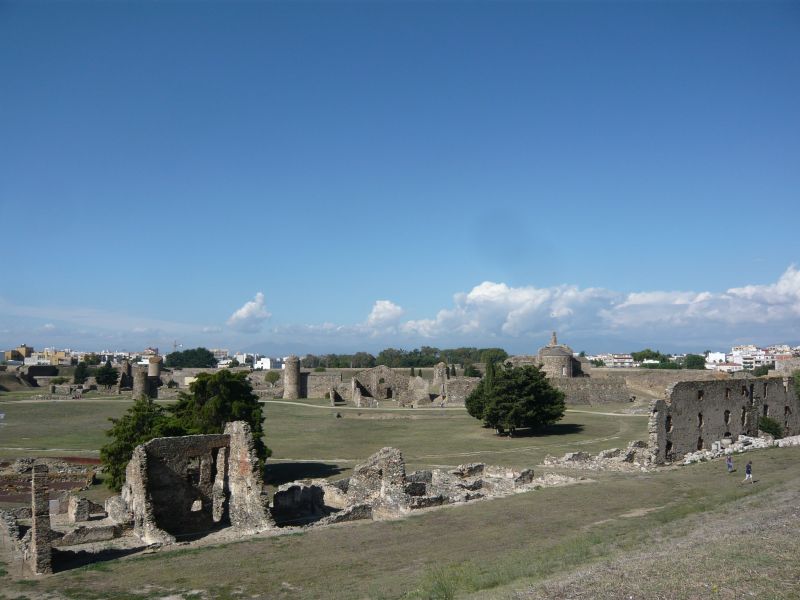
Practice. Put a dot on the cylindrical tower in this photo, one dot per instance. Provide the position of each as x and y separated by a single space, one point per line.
139 382
154 366
291 378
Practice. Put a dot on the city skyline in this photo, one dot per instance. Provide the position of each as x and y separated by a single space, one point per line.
331 177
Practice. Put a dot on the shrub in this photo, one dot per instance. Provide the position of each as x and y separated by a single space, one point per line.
770 426
319 369
272 377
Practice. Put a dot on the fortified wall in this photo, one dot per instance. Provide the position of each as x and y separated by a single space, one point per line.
695 414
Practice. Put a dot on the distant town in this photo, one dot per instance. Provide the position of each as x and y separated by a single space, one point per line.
745 357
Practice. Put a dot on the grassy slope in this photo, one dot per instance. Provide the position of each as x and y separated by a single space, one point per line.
474 548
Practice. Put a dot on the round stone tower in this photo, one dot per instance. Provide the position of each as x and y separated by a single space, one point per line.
291 378
154 366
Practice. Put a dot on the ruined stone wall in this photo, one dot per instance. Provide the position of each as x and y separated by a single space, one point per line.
316 385
383 383
458 388
695 414
248 507
191 484
585 390
653 382
40 551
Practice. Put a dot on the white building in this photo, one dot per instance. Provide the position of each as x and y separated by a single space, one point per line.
619 361
265 363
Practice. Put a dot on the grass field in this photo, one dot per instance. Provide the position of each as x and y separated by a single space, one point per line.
529 545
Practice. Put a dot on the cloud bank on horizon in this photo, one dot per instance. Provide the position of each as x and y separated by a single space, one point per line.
491 313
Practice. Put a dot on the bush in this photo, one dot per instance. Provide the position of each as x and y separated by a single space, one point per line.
770 426
319 369
272 377
59 380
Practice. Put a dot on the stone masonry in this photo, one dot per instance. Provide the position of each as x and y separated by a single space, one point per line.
40 550
695 414
191 484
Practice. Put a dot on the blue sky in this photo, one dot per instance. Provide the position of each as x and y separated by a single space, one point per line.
343 176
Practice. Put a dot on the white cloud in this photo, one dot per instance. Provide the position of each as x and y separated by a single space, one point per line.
211 329
384 312
251 316
497 310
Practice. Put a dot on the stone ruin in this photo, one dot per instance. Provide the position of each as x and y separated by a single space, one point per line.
190 485
694 415
380 489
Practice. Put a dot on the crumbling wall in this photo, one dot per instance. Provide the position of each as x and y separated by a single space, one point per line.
40 552
382 383
191 484
584 390
457 389
248 509
694 414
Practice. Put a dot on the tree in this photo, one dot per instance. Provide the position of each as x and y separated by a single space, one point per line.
489 377
519 397
770 426
218 398
763 370
648 354
694 361
272 377
233 363
495 355
91 359
470 370
452 371
598 362
81 373
142 422
193 358
107 375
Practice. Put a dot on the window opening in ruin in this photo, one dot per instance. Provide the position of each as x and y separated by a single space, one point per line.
727 417
381 380
744 415
766 410
699 443
765 390
787 411
699 419
699 394
744 390
193 470
727 393
669 423
752 396
668 448
388 393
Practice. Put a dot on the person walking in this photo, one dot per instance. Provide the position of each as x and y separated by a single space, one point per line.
748 472
729 463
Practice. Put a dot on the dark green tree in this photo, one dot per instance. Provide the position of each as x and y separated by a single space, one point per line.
763 370
694 361
470 370
81 373
142 422
770 426
519 397
91 359
496 355
193 358
107 375
489 376
217 398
